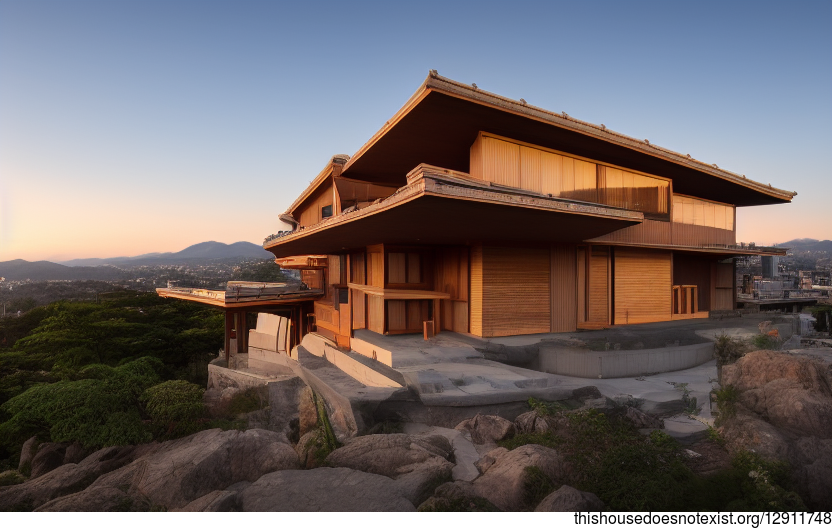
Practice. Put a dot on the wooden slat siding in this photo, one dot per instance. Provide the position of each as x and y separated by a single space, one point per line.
476 297
581 284
396 268
358 301
696 211
648 232
310 214
724 286
375 314
414 267
396 317
551 174
501 162
375 268
460 309
531 169
414 315
690 269
598 290
515 285
563 288
695 236
642 286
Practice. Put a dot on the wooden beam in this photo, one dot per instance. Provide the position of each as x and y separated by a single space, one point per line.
391 294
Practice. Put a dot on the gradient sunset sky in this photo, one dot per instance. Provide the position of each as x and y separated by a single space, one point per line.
128 127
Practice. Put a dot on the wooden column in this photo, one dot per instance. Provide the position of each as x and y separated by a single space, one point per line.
229 325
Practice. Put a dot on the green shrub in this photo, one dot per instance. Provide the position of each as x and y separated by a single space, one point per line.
249 400
726 397
765 342
175 407
545 439
536 486
728 350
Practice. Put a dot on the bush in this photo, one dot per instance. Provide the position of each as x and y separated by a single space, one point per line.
728 350
174 407
765 342
536 486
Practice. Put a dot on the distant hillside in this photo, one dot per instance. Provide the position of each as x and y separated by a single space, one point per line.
808 244
43 270
201 251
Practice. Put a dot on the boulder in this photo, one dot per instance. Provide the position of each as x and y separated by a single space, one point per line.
390 454
75 453
48 457
456 496
641 420
103 499
503 483
489 459
568 499
793 393
70 478
811 461
417 482
309 448
530 422
323 489
216 501
487 429
182 470
746 431
27 453
307 411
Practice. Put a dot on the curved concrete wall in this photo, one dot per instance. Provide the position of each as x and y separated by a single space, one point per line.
584 363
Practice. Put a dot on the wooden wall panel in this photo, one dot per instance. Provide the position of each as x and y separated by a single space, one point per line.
642 286
531 169
724 299
476 297
310 213
648 232
724 286
551 173
414 267
460 309
515 286
564 289
414 314
683 234
598 288
375 266
375 314
396 317
581 284
396 268
500 161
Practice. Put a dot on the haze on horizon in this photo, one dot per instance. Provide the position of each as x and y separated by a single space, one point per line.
148 126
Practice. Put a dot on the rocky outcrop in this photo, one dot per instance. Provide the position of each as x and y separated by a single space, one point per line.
504 481
793 393
642 420
487 429
27 453
323 489
784 412
49 456
530 422
568 499
70 478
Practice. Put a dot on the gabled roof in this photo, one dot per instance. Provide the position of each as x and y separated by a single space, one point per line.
440 121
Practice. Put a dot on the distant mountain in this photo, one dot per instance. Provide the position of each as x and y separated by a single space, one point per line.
201 251
808 244
43 270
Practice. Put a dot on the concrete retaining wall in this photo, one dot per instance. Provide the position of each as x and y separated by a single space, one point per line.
583 363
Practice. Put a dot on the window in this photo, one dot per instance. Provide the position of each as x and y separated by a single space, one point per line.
326 211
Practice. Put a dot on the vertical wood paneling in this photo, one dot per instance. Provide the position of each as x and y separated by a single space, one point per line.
396 272
396 317
647 232
476 290
531 169
460 309
475 168
414 267
375 314
501 161
515 286
563 288
414 314
598 290
692 269
375 266
642 286
581 285
551 174
683 234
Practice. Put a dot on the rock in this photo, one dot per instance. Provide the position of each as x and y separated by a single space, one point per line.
418 482
568 499
307 411
323 489
48 457
11 477
793 393
70 478
390 455
530 422
503 482
641 420
811 461
103 499
456 496
75 453
590 392
487 429
746 431
27 453
712 458
182 470
308 449
489 459
216 501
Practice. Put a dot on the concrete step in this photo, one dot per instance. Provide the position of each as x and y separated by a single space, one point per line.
364 370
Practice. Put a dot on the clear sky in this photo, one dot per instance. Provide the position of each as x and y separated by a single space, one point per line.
135 126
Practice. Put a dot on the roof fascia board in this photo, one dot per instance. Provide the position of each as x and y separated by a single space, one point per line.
462 91
313 186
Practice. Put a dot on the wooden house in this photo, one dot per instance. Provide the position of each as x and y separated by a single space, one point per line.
485 215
